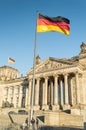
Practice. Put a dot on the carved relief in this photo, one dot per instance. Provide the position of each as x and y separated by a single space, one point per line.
50 65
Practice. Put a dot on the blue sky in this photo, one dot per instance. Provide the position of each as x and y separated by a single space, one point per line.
17 31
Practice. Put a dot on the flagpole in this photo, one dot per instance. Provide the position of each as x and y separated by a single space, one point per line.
34 64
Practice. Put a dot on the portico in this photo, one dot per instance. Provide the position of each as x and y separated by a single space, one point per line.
56 90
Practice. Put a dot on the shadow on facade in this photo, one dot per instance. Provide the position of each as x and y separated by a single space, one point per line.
24 87
68 111
41 118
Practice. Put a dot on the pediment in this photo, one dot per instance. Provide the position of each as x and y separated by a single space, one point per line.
51 65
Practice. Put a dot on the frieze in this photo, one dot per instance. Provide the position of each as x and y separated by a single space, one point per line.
50 65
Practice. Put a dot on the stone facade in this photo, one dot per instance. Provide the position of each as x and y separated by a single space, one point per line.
60 84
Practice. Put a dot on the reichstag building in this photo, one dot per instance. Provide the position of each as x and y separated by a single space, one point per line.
60 85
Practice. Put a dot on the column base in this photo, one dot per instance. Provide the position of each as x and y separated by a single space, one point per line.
78 109
28 107
45 107
36 107
83 106
0 110
79 106
75 111
66 107
55 107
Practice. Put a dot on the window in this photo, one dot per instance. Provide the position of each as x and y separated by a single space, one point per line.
18 90
11 99
17 101
12 91
6 91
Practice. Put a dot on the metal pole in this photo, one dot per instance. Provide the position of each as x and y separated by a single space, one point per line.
33 83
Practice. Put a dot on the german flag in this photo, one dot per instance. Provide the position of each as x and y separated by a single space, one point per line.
53 24
11 60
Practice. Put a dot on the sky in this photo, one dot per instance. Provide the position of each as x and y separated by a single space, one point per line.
18 25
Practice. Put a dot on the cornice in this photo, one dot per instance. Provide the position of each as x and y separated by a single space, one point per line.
8 67
17 80
63 61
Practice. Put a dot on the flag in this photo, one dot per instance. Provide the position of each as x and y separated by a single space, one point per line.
11 60
53 24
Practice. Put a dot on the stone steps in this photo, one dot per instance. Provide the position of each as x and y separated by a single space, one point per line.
62 119
59 120
4 121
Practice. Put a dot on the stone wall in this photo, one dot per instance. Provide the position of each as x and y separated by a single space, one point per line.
63 119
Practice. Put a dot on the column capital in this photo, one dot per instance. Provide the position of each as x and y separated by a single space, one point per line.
56 78
76 72
30 79
38 78
46 77
65 74
17 86
55 75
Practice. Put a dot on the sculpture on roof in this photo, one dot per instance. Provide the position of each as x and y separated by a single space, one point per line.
83 47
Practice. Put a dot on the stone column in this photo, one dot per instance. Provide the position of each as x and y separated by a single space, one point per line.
66 101
43 88
29 93
45 106
6 94
56 106
20 96
46 84
5 91
77 89
51 92
26 99
2 95
82 90
15 96
9 94
61 93
36 107
71 92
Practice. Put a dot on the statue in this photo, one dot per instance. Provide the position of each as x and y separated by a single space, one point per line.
83 47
